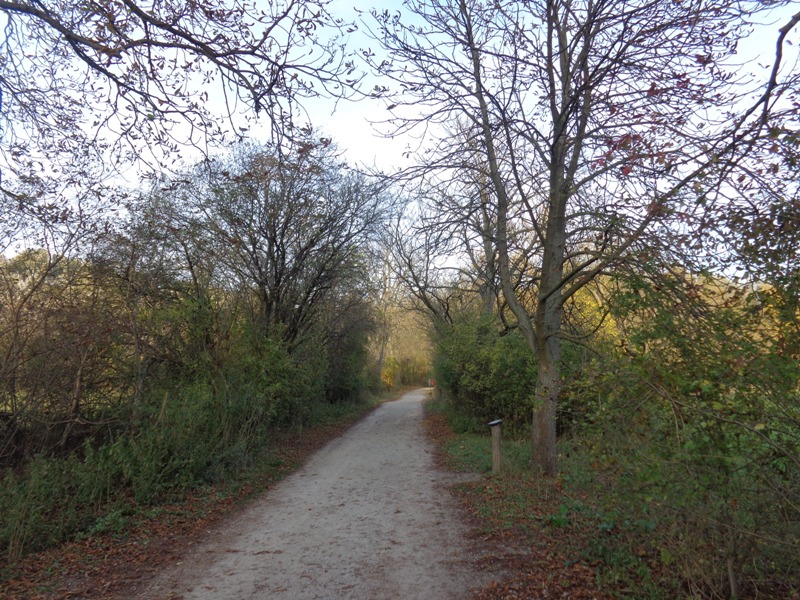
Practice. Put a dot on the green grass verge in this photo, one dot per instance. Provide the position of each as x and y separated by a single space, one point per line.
576 513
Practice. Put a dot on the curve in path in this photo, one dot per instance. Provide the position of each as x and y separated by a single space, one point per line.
367 517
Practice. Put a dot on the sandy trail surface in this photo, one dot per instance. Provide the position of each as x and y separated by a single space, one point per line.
369 516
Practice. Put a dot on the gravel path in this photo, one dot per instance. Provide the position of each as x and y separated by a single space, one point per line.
368 517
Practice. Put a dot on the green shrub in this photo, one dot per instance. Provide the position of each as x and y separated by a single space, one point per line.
691 435
486 374
187 433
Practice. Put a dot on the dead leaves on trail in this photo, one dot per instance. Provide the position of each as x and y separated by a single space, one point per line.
540 574
533 562
113 566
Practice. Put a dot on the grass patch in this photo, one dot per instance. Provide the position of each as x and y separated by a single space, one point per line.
576 533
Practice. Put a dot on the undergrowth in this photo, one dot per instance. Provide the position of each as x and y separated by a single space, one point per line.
576 513
127 538
100 490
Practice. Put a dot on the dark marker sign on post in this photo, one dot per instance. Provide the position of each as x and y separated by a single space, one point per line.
496 457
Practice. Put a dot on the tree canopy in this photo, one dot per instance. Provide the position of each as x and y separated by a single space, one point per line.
597 131
129 80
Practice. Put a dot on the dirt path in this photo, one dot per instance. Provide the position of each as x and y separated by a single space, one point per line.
367 517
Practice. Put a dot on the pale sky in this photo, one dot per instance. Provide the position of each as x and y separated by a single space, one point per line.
349 126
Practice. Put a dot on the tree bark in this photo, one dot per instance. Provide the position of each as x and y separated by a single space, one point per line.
544 457
541 333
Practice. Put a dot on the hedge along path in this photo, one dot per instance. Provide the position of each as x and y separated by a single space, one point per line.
369 516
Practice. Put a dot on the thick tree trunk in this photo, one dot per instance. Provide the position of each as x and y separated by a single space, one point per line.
549 312
547 323
541 332
548 320
544 457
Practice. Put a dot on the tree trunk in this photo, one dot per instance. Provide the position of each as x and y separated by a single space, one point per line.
541 333
75 405
544 457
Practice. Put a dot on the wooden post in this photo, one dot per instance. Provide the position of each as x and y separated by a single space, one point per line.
497 459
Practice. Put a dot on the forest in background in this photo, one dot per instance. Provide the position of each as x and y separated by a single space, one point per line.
622 196
599 233
161 351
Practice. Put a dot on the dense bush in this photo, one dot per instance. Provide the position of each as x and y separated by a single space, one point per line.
487 373
679 418
693 433
186 433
